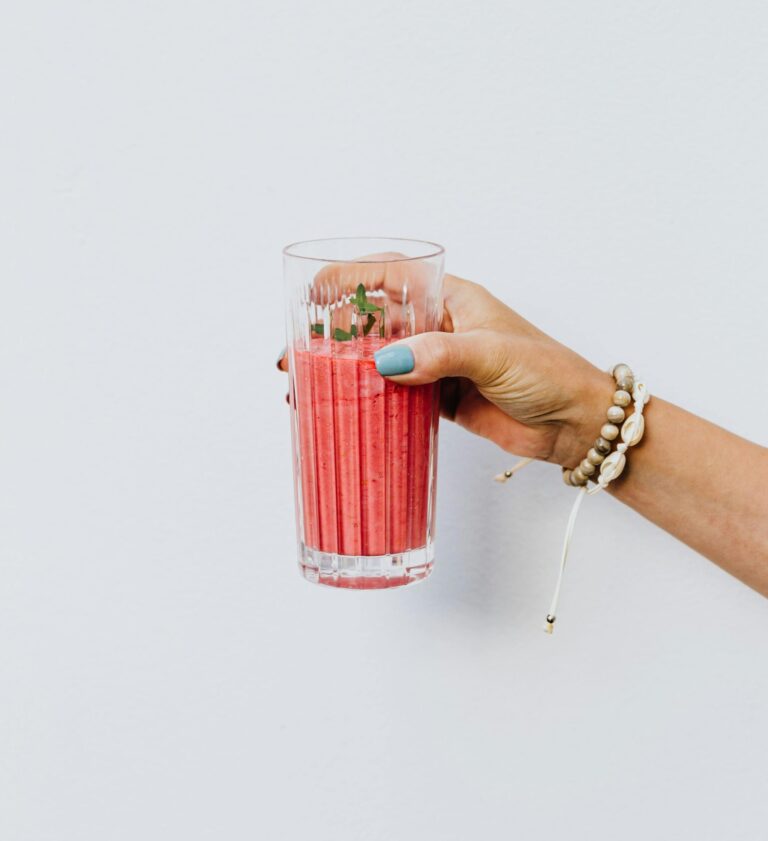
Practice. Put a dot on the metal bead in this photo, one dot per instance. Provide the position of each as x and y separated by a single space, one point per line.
626 383
594 457
587 468
615 414
578 477
622 398
603 446
608 431
567 476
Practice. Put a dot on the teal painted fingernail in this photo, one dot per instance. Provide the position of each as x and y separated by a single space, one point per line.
393 360
280 357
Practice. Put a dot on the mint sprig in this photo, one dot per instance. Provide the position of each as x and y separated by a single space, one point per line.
372 311
360 300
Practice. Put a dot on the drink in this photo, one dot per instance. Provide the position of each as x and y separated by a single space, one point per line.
366 455
365 448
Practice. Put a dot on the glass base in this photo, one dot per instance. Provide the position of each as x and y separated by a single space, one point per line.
366 572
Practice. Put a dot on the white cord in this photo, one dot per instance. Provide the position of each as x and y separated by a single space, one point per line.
508 474
611 468
552 615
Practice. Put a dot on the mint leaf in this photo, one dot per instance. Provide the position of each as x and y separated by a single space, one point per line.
344 335
364 306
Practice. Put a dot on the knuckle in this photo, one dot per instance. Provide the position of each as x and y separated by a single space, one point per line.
439 354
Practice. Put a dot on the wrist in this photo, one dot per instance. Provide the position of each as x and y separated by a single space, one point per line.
582 423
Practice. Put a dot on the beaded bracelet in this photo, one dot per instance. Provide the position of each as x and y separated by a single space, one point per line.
611 464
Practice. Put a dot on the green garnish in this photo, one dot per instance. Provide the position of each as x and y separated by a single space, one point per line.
360 300
364 307
344 335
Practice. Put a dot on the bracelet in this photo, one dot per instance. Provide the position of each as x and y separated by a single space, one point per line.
610 464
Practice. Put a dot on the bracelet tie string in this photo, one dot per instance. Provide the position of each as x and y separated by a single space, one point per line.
611 464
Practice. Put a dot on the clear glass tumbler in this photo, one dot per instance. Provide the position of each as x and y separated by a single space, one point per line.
364 448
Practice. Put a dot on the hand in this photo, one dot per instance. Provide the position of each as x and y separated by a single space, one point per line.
506 380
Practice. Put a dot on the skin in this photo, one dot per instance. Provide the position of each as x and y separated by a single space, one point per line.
507 381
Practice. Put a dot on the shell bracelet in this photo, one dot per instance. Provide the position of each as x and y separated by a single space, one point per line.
601 464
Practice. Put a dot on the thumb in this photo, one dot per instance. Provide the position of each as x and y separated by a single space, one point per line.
478 355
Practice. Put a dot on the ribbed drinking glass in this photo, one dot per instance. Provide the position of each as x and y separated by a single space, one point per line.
364 447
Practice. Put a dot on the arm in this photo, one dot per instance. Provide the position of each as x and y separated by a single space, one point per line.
534 397
704 485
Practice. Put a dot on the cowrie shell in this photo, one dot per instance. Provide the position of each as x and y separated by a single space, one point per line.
612 467
632 429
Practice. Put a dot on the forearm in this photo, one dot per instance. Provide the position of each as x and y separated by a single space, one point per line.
704 485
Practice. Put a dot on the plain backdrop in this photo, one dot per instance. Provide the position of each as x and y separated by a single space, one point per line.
164 671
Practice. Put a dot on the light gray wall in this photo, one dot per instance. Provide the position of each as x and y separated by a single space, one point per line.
164 671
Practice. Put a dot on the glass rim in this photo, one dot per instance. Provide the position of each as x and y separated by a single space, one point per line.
434 250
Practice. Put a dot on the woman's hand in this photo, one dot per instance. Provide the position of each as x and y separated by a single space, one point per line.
503 378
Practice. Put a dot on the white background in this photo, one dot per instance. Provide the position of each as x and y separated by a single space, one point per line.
165 673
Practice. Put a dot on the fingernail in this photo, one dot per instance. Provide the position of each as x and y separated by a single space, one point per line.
395 359
280 357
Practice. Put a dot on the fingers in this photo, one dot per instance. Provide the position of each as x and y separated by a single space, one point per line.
469 306
404 291
336 280
481 417
389 273
479 355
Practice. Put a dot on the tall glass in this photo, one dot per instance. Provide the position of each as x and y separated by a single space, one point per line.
364 448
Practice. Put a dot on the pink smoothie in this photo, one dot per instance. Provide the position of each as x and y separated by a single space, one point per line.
364 450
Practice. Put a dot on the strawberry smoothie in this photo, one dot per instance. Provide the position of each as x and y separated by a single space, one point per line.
365 452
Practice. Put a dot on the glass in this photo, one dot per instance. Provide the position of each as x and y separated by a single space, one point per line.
364 448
